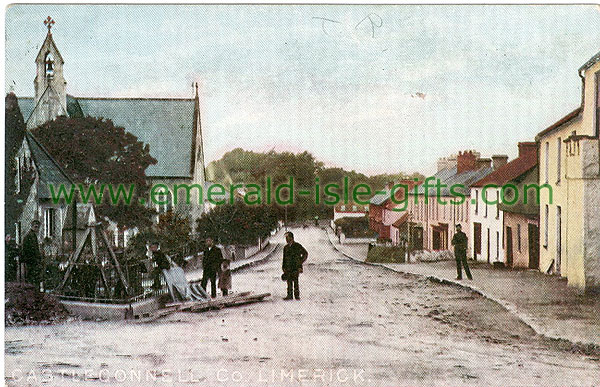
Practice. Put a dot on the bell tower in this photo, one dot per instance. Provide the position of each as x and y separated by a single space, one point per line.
49 83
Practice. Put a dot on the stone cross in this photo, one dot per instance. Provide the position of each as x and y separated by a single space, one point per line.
49 22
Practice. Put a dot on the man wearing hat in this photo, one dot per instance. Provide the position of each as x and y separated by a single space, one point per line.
460 241
31 256
162 263
211 261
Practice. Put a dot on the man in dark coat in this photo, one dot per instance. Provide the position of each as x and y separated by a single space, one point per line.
31 255
294 255
162 263
211 261
459 241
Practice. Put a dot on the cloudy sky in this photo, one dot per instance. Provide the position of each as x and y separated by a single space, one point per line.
373 88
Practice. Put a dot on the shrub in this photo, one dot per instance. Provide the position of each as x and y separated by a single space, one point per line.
384 254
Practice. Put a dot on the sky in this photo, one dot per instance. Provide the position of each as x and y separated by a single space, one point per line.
371 88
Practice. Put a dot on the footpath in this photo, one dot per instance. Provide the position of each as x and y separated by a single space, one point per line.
543 302
274 243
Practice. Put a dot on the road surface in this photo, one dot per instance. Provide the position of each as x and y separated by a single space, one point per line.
355 325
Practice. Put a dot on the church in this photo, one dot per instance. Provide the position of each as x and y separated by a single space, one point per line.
171 127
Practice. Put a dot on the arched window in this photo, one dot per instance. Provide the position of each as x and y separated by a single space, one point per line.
49 63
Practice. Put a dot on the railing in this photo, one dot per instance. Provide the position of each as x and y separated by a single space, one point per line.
100 282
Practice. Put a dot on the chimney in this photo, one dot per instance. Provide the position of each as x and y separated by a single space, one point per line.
466 161
446 162
484 163
526 148
499 161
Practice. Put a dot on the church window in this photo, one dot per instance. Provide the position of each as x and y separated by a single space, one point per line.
49 218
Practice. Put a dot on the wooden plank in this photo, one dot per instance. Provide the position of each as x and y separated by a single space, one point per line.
225 302
73 259
186 304
155 316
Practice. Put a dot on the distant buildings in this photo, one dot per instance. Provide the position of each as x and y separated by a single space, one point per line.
384 213
350 210
435 212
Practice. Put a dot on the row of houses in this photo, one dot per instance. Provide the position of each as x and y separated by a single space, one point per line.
554 228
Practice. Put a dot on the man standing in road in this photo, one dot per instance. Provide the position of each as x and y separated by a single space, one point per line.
31 255
459 241
211 261
294 255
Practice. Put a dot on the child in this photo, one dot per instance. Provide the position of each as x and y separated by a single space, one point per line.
225 277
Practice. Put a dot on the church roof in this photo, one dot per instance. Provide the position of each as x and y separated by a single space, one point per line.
48 169
166 124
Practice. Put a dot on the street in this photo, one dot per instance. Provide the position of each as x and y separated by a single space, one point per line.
355 325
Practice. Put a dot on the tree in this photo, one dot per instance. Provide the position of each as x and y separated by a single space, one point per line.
14 132
95 151
173 234
237 224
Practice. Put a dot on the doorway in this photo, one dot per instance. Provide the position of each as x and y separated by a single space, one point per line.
476 239
509 247
534 246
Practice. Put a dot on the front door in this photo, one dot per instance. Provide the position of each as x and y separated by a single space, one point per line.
477 239
534 248
436 239
509 247
417 238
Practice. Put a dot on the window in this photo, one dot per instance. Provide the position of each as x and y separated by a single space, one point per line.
485 202
497 244
49 222
49 62
559 154
519 236
547 149
476 202
546 212
18 232
18 176
497 207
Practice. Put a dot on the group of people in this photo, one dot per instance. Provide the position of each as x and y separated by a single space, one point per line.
25 263
216 267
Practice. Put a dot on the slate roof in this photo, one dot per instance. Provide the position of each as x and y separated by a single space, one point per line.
450 178
165 124
574 114
48 169
532 207
380 198
591 62
509 171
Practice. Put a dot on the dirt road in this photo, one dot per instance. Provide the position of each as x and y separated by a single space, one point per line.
355 325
